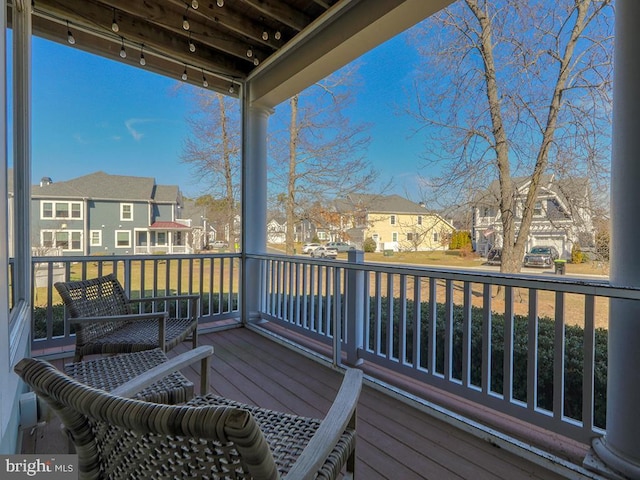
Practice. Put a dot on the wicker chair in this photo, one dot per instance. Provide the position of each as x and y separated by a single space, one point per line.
209 437
106 320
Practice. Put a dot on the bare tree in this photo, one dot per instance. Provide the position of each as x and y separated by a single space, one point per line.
320 155
213 151
515 89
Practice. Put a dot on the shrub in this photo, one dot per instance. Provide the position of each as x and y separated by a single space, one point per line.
369 245
577 255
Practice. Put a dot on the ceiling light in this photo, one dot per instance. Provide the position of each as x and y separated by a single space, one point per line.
184 74
123 52
114 24
70 39
205 84
220 3
185 22
231 89
256 62
143 62
278 35
192 46
194 4
265 35
249 53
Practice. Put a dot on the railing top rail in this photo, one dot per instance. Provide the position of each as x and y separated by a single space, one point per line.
120 258
584 286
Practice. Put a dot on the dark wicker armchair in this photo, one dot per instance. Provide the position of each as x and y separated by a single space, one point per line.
107 321
209 437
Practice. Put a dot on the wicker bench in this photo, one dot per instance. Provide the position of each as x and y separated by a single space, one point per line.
107 321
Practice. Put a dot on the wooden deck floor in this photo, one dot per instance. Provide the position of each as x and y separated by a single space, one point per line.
395 440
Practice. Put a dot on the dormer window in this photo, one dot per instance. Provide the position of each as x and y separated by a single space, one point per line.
537 209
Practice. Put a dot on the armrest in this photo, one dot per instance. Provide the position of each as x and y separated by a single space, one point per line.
120 318
334 424
174 364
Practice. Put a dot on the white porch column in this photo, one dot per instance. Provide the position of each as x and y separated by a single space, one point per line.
254 201
617 454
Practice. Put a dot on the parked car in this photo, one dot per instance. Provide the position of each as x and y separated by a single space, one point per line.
340 246
309 247
219 244
494 257
324 252
541 256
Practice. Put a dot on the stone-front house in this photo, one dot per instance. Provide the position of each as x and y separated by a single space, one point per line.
108 214
393 222
561 218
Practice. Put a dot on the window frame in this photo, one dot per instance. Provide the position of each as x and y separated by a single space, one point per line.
91 238
128 233
123 218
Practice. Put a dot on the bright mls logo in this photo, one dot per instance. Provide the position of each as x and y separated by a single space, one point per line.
58 467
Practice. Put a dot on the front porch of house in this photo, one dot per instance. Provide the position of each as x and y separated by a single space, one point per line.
396 438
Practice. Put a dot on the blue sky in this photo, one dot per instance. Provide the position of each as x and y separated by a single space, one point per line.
91 114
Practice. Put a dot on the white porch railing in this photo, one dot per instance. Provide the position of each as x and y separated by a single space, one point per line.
464 332
214 277
162 249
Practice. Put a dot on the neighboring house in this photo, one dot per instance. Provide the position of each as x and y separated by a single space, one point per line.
108 214
393 222
561 217
277 230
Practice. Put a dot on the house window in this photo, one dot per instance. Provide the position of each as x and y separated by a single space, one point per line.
394 237
486 212
96 238
46 239
419 219
537 209
392 219
76 212
61 210
436 237
410 237
47 209
161 238
322 236
123 239
126 211
69 240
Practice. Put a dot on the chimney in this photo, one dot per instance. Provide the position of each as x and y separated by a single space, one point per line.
45 181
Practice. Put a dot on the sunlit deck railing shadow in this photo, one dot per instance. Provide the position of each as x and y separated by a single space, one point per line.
465 332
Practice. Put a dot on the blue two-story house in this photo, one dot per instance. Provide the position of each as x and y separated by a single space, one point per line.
108 214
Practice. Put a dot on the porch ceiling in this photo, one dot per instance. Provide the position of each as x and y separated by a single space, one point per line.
282 46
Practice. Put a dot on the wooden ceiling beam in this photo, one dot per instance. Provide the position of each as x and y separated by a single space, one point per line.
157 64
281 12
229 18
152 36
171 20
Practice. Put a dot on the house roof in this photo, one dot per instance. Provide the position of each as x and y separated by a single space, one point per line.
569 190
103 186
380 204
168 226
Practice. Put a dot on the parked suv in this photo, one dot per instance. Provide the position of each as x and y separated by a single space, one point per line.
340 246
541 256
309 247
324 252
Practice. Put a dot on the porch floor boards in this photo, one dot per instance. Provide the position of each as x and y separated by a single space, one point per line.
395 440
